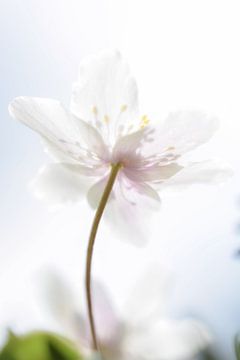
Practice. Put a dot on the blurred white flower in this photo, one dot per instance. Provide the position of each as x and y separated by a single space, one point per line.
103 127
142 331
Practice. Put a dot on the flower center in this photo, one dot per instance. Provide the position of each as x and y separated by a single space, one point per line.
118 165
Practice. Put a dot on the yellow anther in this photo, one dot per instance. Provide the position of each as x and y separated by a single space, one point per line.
144 121
106 119
95 110
123 108
170 148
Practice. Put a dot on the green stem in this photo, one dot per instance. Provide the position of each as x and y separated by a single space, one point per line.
92 237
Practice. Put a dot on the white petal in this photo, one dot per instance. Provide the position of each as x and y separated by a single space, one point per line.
57 184
56 153
64 306
50 119
204 172
153 174
128 144
129 207
129 190
149 297
105 94
160 173
95 192
60 300
130 210
181 132
136 193
169 340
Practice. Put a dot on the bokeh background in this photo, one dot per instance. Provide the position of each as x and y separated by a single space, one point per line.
185 55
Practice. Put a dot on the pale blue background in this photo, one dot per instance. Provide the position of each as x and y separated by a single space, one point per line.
185 55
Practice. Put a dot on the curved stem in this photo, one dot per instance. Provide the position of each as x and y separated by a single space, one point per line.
93 233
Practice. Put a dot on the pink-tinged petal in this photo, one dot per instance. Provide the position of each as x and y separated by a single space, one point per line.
105 94
107 323
180 132
204 172
135 193
145 190
64 306
153 173
128 145
53 122
130 210
58 183
168 340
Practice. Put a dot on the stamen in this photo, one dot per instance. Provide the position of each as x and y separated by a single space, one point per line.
94 110
123 108
95 114
144 121
106 119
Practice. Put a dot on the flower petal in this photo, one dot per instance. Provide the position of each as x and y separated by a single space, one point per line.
135 193
129 190
53 122
130 210
129 207
60 300
127 145
64 306
153 174
204 172
105 94
168 340
95 192
57 184
107 323
181 132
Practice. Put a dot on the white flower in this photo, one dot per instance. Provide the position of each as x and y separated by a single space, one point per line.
103 127
143 331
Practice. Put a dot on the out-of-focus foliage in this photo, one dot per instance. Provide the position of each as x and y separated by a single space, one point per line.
209 355
237 346
39 346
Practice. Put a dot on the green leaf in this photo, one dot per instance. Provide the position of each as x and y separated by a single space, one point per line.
39 346
208 355
237 346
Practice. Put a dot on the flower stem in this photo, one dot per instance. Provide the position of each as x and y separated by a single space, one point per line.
92 237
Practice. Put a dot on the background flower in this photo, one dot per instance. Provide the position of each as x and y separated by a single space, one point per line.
142 330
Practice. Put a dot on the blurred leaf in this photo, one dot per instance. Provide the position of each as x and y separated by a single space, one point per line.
208 355
237 346
39 346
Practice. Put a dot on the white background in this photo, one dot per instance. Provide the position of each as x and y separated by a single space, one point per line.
185 55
